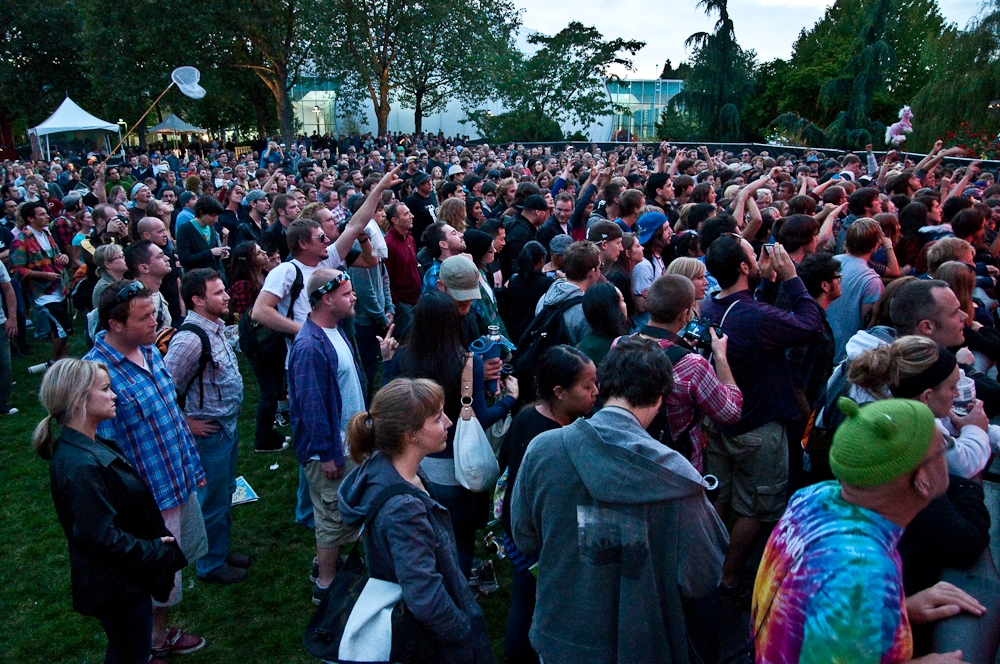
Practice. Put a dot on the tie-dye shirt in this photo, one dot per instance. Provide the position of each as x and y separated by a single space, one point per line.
839 585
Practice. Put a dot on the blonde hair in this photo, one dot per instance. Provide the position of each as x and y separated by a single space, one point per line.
452 212
884 367
106 253
692 268
399 408
64 392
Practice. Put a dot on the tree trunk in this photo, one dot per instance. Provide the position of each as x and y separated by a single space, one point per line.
277 83
382 109
418 110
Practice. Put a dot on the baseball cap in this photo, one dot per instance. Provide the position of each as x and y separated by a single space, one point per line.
419 178
254 196
559 244
648 224
604 230
535 202
460 277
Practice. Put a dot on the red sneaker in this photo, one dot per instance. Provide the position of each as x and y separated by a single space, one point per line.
179 643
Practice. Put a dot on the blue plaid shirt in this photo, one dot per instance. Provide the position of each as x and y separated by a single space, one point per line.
148 426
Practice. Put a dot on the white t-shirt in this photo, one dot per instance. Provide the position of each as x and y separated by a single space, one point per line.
279 283
352 397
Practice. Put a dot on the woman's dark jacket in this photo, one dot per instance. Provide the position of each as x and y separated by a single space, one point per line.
112 525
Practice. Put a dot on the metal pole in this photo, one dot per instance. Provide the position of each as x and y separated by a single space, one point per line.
136 124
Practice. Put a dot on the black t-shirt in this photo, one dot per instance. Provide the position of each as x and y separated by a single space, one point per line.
528 424
421 208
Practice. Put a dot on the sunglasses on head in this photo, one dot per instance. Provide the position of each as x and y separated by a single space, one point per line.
328 287
125 294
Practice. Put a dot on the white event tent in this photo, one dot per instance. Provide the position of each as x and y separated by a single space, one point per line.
70 118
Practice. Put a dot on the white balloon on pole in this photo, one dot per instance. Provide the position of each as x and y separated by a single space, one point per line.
187 79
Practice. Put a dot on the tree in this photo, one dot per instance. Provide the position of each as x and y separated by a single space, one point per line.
565 81
680 73
719 82
456 54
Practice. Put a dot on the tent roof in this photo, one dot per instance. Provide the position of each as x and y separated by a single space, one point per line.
70 117
174 125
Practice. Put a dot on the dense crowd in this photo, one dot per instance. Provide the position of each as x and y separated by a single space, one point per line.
675 355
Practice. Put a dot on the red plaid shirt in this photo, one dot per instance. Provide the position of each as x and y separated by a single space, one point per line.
63 230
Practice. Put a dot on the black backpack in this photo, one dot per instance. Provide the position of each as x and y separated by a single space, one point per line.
659 428
546 330
163 341
258 341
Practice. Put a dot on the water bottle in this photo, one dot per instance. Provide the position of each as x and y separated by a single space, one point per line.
488 347
966 398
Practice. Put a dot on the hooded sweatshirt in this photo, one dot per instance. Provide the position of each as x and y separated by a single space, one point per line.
574 319
410 542
623 530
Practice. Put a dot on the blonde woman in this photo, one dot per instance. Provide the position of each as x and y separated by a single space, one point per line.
452 212
981 336
121 554
693 269
109 259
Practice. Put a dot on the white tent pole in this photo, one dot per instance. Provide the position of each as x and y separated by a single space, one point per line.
48 153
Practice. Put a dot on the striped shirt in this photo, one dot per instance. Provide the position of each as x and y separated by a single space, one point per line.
148 426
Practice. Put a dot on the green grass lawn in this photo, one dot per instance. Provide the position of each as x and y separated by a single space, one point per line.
259 620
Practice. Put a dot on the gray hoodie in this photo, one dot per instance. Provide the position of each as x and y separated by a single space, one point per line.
410 542
623 530
576 322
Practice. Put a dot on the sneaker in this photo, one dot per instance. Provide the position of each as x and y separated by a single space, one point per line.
179 643
281 444
314 571
282 420
474 578
9 410
238 560
319 593
225 575
488 578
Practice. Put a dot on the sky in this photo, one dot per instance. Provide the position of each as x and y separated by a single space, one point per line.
769 27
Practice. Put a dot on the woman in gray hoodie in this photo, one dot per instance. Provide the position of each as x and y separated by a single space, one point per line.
410 540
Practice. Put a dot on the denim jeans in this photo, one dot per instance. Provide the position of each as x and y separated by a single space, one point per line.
516 645
218 457
5 375
130 632
303 503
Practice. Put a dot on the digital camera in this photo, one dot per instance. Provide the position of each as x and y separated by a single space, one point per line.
698 331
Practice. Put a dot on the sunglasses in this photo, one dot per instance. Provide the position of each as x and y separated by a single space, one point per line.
328 287
127 293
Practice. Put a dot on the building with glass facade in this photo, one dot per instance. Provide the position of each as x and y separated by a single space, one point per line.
644 102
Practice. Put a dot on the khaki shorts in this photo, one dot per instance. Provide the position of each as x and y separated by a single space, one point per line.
330 529
186 524
752 469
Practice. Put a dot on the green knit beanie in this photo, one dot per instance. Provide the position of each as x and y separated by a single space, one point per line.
880 442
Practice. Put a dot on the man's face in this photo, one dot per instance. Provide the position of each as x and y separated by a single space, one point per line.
403 221
424 188
157 235
140 327
874 208
948 325
342 301
934 213
329 225
611 249
537 217
356 178
40 219
316 248
326 182
216 300
563 211
292 209
9 207
454 241
500 241
169 197
159 263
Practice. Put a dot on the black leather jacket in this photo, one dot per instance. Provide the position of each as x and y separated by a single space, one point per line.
112 525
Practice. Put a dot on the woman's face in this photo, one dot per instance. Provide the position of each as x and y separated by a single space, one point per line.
282 181
635 253
258 258
86 222
579 399
236 196
101 400
621 303
543 182
117 265
433 435
940 398
273 261
436 173
700 286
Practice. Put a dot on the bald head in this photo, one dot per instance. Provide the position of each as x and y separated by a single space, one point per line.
152 229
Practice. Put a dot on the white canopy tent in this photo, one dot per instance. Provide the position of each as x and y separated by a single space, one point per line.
174 125
69 117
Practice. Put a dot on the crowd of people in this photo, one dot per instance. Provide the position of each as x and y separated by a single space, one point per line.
704 351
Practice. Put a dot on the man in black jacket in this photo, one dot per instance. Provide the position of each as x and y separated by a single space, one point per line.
422 204
523 230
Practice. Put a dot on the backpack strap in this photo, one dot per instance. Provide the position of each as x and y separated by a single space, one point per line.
293 296
203 360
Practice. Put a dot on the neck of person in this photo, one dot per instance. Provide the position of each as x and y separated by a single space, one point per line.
85 425
324 318
823 300
741 284
126 348
204 222
673 326
894 504
407 462
797 255
644 414
257 219
404 232
553 411
204 313
151 283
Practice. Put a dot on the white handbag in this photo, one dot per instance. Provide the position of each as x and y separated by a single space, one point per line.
476 466
370 620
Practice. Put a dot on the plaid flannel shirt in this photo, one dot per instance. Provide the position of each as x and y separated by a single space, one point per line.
148 426
63 229
26 255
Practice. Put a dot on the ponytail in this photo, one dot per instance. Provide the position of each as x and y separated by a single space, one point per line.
42 440
360 437
880 370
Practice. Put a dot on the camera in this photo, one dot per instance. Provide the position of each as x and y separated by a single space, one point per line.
698 331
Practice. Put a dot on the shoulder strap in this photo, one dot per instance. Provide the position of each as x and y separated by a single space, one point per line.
297 285
730 308
565 305
385 494
676 351
203 360
466 413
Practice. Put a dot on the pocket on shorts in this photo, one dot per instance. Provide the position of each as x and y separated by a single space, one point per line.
769 500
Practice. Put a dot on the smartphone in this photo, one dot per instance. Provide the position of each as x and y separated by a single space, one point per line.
769 248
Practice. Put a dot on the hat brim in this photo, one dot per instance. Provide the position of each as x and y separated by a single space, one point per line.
464 294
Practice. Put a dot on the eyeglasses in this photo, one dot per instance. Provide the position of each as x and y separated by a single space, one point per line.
836 277
328 287
736 236
321 237
125 294
949 444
